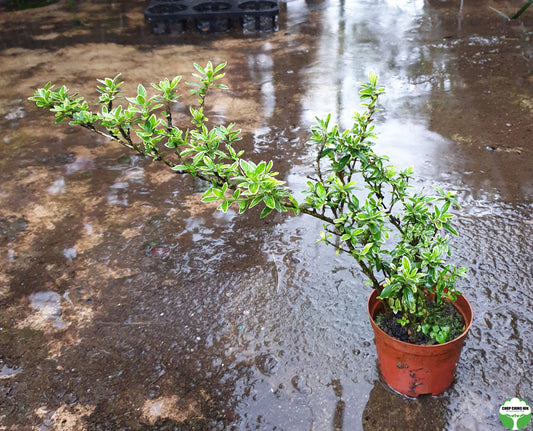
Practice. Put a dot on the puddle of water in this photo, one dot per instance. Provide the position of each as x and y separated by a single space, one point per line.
116 195
216 321
58 187
48 303
79 164
47 306
7 372
70 253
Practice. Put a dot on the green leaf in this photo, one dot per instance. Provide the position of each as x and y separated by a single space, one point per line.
449 228
358 231
346 237
320 191
499 13
256 201
266 211
220 67
199 68
406 265
269 201
260 169
522 9
243 206
341 164
409 299
326 152
253 188
386 291
366 249
247 167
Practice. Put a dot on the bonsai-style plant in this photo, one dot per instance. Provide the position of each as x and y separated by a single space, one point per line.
398 235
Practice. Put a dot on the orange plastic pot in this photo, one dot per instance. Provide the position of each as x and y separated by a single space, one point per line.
412 369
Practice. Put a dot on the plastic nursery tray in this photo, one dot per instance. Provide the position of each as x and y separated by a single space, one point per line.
212 16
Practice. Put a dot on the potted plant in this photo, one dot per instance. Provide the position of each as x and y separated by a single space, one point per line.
399 236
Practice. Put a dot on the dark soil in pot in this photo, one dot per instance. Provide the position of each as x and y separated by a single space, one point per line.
446 315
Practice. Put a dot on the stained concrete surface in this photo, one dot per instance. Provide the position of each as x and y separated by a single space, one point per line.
127 304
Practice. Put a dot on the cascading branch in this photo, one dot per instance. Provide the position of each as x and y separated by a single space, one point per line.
400 238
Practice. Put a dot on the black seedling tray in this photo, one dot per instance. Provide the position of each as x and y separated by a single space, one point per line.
212 16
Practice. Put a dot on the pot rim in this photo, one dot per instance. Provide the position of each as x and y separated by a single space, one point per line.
373 297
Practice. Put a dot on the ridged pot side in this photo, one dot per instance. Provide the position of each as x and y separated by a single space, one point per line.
412 369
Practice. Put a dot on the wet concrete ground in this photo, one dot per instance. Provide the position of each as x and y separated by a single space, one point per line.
127 304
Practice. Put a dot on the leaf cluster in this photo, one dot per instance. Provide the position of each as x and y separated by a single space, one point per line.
144 123
399 237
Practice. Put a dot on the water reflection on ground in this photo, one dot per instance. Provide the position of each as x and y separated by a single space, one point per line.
128 304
